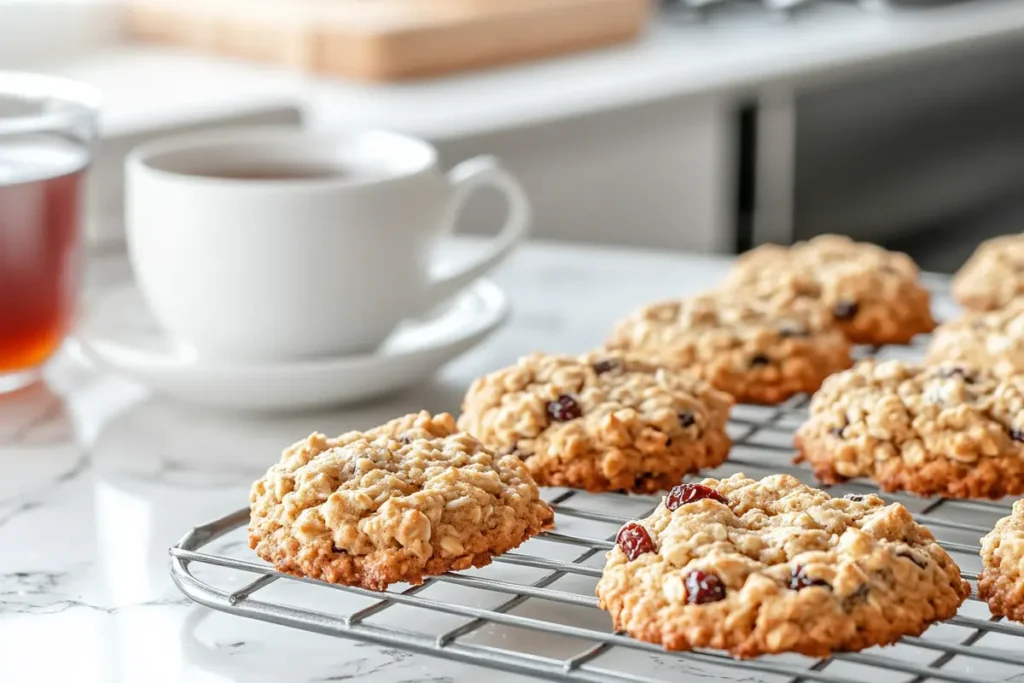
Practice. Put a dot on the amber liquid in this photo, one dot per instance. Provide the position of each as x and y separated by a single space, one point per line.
41 188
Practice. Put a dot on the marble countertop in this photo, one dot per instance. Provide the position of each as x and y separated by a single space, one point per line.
99 479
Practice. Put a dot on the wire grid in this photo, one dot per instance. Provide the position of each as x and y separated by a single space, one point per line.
504 619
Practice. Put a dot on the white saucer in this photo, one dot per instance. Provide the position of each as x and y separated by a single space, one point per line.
120 336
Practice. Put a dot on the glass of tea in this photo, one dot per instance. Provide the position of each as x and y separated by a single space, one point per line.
48 128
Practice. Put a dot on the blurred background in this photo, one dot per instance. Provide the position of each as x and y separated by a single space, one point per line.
697 125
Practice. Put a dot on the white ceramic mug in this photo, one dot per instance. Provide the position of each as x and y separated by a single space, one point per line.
280 244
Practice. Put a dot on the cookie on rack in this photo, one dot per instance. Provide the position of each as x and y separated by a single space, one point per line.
873 294
749 348
993 276
600 422
989 340
931 430
1001 582
772 566
412 498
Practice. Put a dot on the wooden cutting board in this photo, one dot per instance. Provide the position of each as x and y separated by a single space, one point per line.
387 39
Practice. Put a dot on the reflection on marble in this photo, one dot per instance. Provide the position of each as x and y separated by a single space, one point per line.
98 479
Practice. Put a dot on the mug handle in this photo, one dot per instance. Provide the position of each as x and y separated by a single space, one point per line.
466 178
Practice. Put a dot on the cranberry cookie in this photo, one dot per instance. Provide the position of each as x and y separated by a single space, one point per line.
931 430
1001 583
412 498
746 347
873 294
603 422
770 566
989 340
993 276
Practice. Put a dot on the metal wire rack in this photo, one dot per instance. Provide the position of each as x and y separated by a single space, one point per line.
534 612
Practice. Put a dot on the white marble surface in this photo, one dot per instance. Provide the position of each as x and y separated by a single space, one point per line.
99 479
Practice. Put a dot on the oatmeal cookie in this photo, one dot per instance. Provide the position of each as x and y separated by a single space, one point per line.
873 294
746 347
770 566
1001 583
602 422
993 276
945 430
989 340
412 498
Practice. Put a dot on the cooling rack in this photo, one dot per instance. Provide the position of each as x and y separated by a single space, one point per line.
533 611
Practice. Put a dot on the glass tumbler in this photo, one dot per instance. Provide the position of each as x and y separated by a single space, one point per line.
48 129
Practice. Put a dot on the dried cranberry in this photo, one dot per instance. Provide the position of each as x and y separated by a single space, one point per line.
1017 434
703 587
691 493
798 580
686 419
760 359
564 408
913 557
603 366
845 310
855 497
634 540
